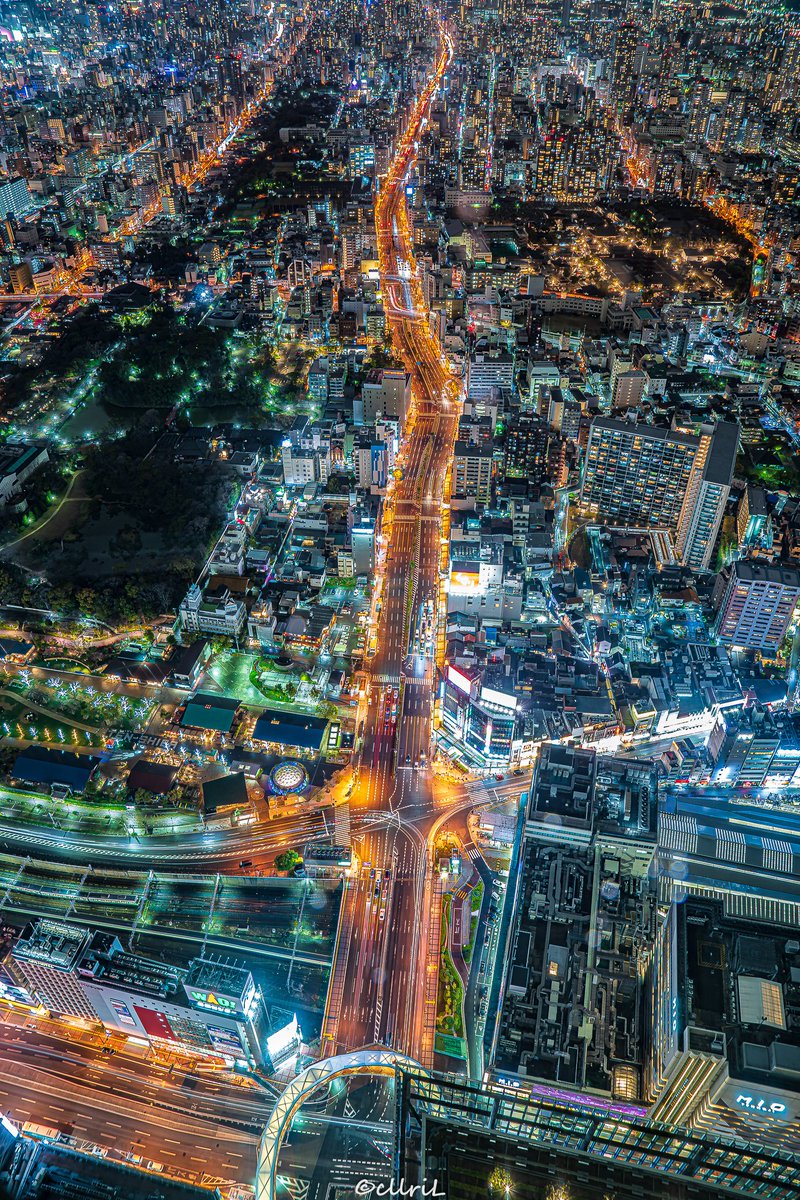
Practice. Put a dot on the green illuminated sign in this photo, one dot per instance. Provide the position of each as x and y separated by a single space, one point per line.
211 1000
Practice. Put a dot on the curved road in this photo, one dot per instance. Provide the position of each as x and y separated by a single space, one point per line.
210 851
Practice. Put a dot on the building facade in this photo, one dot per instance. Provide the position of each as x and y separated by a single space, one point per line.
755 603
643 476
210 1008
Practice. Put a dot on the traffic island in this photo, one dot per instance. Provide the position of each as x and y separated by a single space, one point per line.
450 1001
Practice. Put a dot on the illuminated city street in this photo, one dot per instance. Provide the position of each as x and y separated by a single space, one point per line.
399 601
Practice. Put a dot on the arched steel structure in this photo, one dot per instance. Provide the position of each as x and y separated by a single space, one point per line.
375 1061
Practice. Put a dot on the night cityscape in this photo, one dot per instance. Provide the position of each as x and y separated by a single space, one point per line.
399 600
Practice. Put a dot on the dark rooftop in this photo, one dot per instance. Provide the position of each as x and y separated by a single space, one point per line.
290 729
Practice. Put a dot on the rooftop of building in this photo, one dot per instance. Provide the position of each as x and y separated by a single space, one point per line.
757 502
577 788
555 1022
742 980
473 450
660 433
15 456
205 710
155 777
212 975
722 453
104 961
749 570
563 783
39 764
290 729
224 792
11 647
53 943
65 1171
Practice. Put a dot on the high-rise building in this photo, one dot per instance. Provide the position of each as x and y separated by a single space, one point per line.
636 475
541 375
299 466
724 1046
488 373
573 162
15 197
472 471
653 477
707 496
755 603
628 389
527 440
20 278
362 540
44 960
624 78
752 518
387 394
454 1136
371 464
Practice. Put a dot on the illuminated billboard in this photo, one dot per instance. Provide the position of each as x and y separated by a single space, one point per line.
763 1105
499 699
123 1013
465 577
459 680
210 1001
284 1042
225 1041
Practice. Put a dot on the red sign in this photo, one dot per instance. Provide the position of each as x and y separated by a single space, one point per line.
155 1024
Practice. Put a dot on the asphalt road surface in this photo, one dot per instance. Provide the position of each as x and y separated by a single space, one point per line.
384 982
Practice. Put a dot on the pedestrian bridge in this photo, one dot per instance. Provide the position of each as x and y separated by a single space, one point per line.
375 1061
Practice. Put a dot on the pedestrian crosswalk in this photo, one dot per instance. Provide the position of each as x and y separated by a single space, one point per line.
342 824
395 679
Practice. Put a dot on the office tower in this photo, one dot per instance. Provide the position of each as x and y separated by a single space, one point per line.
386 394
755 603
488 373
644 476
472 471
15 198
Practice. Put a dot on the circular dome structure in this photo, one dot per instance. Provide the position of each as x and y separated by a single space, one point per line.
288 776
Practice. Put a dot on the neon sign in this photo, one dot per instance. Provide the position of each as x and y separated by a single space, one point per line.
773 1108
212 1000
